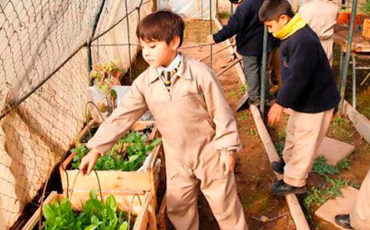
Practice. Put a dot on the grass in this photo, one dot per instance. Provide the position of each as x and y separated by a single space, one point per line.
223 15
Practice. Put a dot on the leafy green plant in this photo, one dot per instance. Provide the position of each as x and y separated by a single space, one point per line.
243 88
95 215
279 147
128 154
233 94
282 134
321 167
252 132
365 8
80 151
106 76
329 190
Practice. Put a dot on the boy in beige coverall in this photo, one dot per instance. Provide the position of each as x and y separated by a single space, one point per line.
359 217
321 16
199 131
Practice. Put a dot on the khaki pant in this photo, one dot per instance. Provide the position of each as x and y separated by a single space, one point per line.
305 132
360 214
328 48
219 190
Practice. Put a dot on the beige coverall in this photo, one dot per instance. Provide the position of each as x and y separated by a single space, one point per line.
195 122
321 16
304 134
360 214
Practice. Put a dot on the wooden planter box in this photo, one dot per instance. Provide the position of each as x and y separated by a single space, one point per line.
140 207
117 183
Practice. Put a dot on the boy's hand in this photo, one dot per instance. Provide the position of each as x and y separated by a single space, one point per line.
227 163
275 113
88 162
210 39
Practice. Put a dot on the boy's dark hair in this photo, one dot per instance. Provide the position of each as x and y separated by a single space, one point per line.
272 9
161 26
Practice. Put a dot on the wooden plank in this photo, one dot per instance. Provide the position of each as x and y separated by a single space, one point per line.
162 214
293 204
233 53
84 131
36 216
360 122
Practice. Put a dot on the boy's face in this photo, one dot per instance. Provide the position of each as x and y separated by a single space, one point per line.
275 26
159 53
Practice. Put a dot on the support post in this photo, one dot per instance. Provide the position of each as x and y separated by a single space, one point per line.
346 60
263 71
129 40
95 25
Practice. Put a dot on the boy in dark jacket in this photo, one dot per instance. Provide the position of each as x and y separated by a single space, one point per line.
248 29
308 89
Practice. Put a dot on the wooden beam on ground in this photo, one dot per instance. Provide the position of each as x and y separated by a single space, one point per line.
294 206
233 53
360 122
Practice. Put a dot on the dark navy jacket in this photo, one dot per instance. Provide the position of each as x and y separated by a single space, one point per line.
248 29
308 81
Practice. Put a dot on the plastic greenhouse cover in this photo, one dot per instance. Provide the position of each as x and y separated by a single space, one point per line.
198 9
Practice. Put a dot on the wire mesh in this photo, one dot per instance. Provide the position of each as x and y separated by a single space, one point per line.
43 80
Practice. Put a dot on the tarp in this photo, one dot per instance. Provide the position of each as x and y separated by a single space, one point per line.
194 9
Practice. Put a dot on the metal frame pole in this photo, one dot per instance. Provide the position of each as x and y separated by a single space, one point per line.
89 53
263 71
129 40
346 60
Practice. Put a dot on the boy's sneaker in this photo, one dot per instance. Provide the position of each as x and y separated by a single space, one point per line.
343 221
278 166
281 188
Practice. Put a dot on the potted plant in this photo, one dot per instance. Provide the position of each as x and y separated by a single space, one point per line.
366 26
106 76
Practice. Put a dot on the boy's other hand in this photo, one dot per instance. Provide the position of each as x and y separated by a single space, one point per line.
275 114
210 39
88 162
227 163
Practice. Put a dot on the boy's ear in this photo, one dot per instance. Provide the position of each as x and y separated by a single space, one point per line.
284 19
175 43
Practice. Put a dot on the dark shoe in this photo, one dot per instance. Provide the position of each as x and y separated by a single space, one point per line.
278 166
281 188
343 221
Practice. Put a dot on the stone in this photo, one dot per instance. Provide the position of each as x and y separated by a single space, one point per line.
334 151
337 206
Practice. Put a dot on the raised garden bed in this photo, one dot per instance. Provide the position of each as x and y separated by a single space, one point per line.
135 208
117 183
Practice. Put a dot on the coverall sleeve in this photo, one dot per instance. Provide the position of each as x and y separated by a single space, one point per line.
130 109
